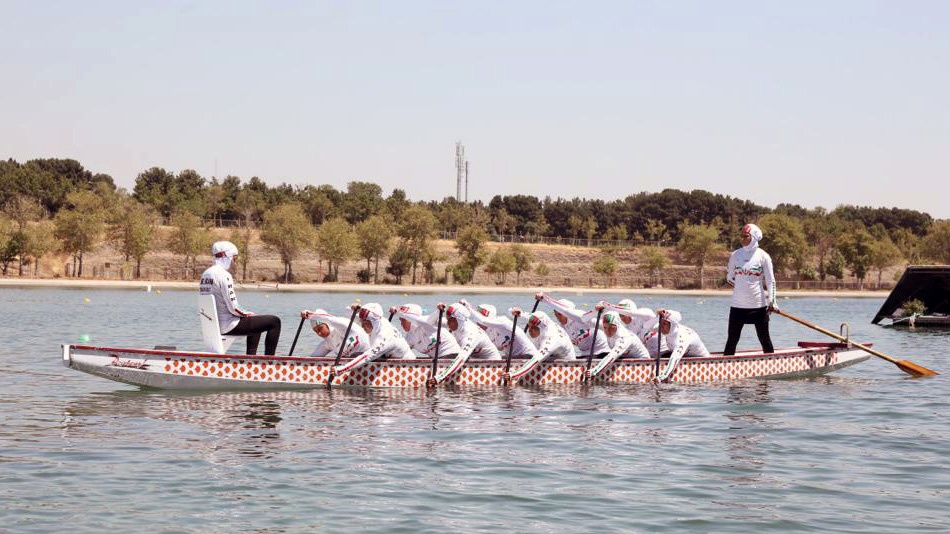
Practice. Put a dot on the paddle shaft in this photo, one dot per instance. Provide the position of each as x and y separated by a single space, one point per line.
593 342
511 344
339 353
438 345
904 365
659 346
297 335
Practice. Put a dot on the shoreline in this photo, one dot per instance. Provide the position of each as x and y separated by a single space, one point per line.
143 285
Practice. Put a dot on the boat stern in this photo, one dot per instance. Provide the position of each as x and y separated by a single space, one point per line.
67 355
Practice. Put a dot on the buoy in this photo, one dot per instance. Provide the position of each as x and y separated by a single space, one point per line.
158 291
358 299
84 338
86 300
148 288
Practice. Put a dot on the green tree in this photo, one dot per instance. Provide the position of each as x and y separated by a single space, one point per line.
606 265
81 225
374 237
429 256
821 232
784 239
399 262
189 237
470 244
653 260
40 241
362 200
241 237
699 243
884 254
856 247
523 259
132 231
836 264
22 210
542 270
336 243
8 251
936 244
501 262
417 229
618 232
287 231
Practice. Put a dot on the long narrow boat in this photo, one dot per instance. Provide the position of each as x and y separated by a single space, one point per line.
181 370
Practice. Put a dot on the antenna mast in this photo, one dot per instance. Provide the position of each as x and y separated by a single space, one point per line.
461 172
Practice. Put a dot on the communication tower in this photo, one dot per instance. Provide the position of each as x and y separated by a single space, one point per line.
461 171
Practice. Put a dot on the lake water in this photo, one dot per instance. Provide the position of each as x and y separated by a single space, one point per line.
866 449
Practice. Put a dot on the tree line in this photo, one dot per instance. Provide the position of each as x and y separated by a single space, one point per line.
57 205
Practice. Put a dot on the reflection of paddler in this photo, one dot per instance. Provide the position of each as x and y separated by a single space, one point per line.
234 321
330 329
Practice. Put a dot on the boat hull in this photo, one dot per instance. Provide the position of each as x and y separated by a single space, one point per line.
180 370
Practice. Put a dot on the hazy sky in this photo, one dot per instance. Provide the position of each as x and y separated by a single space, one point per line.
815 103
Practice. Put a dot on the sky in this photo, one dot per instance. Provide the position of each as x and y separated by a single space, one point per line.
816 103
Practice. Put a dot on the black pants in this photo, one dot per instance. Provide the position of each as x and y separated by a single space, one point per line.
743 316
253 326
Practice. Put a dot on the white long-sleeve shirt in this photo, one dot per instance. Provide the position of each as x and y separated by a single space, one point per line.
217 281
580 327
472 341
623 343
356 342
684 342
499 328
423 334
552 343
750 273
384 340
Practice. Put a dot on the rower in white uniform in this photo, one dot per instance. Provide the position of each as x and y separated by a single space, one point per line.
330 329
384 339
578 325
623 343
473 341
683 340
550 339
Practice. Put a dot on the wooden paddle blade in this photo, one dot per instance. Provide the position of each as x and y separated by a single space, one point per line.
912 368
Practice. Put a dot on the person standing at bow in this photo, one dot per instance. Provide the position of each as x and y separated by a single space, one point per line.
753 290
233 321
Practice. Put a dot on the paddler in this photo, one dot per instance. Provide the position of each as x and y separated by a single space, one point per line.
623 343
499 329
330 329
550 339
384 339
578 325
683 341
472 340
753 290
642 323
233 321
421 331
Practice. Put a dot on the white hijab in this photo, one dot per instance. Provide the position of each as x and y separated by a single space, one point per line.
756 234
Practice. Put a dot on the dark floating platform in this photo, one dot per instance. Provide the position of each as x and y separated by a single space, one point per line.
929 284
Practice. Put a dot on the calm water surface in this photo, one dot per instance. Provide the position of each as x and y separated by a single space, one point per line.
863 450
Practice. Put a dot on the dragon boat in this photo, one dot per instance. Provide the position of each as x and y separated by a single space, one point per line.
184 370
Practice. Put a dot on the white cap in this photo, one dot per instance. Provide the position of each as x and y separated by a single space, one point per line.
224 249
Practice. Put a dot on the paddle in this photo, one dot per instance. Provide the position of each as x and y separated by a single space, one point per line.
593 343
438 344
907 366
659 345
297 335
339 353
511 346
